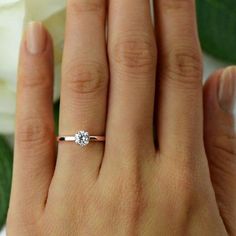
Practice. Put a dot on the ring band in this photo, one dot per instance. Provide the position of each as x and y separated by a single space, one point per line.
81 138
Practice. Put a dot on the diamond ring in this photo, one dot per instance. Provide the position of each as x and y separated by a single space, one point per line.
81 138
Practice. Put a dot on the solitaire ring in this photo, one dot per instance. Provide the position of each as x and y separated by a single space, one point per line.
81 138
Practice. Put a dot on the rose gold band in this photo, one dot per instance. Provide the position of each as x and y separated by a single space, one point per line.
72 138
81 138
97 138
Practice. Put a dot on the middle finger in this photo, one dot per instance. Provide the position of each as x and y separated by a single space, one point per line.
132 54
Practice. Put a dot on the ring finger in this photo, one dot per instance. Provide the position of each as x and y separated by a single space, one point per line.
84 86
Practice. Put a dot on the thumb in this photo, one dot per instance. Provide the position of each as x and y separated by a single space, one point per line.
220 140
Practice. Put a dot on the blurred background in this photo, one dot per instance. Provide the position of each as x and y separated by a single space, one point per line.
217 32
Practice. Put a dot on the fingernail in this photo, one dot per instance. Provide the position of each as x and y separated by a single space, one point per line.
35 38
227 89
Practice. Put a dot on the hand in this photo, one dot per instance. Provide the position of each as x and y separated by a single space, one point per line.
132 184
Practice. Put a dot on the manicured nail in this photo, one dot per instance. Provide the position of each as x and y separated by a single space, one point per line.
227 89
35 38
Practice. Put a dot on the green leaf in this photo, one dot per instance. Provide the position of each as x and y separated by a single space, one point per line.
56 116
6 157
217 28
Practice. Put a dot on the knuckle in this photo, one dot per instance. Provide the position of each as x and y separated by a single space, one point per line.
184 66
35 79
130 188
184 180
88 78
225 146
137 55
34 131
15 223
133 199
86 6
184 173
176 5
184 184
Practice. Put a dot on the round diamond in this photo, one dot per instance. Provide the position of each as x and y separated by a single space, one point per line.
82 138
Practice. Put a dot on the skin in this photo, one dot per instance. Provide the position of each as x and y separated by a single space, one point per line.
132 184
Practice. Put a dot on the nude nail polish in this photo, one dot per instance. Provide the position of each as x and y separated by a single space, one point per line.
227 90
35 38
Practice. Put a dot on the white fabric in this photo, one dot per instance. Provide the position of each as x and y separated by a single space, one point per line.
3 233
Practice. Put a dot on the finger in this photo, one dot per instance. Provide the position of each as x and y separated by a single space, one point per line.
34 138
220 141
179 122
132 54
84 86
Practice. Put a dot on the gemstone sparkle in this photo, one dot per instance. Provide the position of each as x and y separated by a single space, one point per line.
82 138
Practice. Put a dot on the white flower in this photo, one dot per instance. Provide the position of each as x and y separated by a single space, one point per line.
14 15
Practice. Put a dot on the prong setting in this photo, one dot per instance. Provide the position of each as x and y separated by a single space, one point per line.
82 138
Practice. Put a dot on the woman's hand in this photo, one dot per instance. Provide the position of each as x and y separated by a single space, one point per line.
131 184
